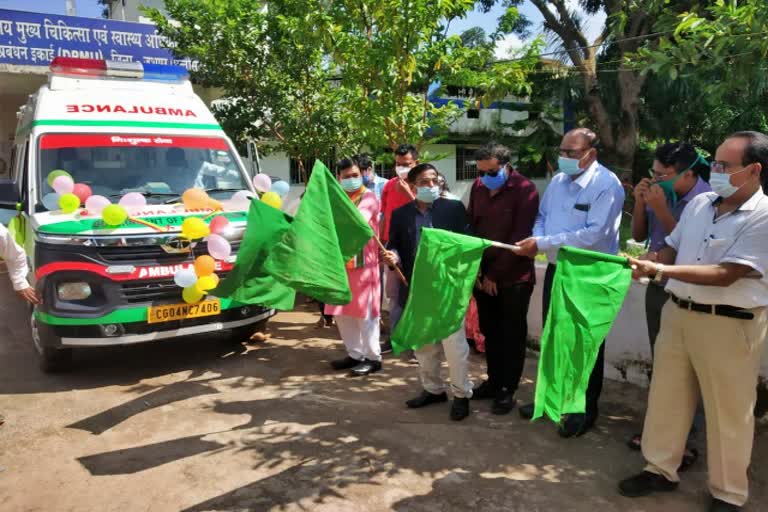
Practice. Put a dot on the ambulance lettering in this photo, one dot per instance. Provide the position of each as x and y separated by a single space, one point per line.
170 270
133 109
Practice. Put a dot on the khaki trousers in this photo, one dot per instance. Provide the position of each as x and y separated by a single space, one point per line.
717 358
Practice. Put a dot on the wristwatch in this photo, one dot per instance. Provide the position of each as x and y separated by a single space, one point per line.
659 273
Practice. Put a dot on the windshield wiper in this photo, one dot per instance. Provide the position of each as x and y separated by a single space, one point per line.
214 190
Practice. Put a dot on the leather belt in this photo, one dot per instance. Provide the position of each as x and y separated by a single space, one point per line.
713 309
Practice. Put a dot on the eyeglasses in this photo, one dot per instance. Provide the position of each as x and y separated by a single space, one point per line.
720 167
660 177
572 153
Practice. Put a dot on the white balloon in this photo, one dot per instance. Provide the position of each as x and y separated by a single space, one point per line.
185 277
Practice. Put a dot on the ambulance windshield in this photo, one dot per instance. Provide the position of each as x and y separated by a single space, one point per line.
161 167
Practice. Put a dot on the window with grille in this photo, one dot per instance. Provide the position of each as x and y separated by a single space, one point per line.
384 170
466 166
297 178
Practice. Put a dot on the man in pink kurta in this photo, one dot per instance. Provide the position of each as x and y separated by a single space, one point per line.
358 321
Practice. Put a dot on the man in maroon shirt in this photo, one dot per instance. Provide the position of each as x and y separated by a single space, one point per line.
502 207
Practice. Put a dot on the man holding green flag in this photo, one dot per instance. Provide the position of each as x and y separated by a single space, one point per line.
418 328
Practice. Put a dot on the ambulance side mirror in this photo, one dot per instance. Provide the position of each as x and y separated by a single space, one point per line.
9 195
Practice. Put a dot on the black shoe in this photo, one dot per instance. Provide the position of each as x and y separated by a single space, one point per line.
367 367
644 484
386 347
345 364
503 403
485 391
575 425
526 411
722 506
426 398
460 409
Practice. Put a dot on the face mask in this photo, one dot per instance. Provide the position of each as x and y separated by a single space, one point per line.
402 171
494 182
351 184
569 166
427 194
721 183
668 186
367 180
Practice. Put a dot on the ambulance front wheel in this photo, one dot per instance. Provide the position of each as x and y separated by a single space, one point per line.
50 358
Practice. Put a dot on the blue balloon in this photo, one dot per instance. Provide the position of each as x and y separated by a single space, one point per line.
281 188
51 201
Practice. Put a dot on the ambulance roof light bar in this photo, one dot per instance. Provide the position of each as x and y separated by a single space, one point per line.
71 66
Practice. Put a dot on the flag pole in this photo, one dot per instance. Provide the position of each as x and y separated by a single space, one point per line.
396 268
513 248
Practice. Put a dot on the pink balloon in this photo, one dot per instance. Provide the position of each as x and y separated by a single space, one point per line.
96 204
219 247
241 200
219 224
82 191
133 200
262 182
63 185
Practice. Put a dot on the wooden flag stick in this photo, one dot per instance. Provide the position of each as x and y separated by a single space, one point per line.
513 248
396 268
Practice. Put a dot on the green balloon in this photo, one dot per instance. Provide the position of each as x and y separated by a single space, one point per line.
55 174
69 203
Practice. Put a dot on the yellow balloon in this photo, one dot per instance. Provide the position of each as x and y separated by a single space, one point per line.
191 294
194 228
207 283
114 215
272 199
69 203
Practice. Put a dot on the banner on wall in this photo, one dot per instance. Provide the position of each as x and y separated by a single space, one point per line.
35 39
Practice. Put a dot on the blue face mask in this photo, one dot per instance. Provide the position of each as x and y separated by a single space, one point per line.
351 184
427 194
367 180
569 166
494 182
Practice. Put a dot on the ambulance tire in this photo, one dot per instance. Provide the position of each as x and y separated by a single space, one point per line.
50 359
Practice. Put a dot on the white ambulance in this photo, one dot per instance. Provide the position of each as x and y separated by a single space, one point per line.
119 128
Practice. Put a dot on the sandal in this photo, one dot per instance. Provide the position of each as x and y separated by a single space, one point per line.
690 457
635 442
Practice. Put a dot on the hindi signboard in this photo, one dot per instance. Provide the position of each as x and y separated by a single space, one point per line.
34 39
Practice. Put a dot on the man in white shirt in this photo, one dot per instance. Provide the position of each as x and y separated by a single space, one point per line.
712 329
581 208
16 260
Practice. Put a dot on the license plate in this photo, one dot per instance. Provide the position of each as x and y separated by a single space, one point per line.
171 312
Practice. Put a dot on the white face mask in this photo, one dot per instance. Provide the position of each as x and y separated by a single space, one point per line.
402 171
721 183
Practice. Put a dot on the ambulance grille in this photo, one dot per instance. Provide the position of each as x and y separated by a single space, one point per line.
151 253
155 290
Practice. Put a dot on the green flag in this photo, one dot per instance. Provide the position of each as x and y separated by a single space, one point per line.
587 293
327 231
444 274
248 282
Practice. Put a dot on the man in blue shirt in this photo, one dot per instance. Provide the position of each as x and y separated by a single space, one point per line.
371 180
581 208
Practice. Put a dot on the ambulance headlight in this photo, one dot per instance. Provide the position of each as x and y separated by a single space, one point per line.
74 291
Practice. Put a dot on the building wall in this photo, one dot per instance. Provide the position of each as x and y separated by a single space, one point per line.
132 11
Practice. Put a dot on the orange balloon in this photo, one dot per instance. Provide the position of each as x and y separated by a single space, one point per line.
198 199
204 266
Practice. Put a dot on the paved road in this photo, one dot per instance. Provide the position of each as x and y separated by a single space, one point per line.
205 425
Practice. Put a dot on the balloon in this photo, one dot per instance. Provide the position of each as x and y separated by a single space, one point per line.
207 283
185 277
51 201
272 199
281 188
55 174
69 203
219 247
191 294
241 200
198 199
262 182
133 200
82 191
96 204
204 265
114 215
194 228
63 184
219 224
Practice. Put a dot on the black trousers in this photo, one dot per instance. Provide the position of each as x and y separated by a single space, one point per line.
504 323
595 386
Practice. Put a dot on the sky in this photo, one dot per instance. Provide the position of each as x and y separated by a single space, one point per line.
90 9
